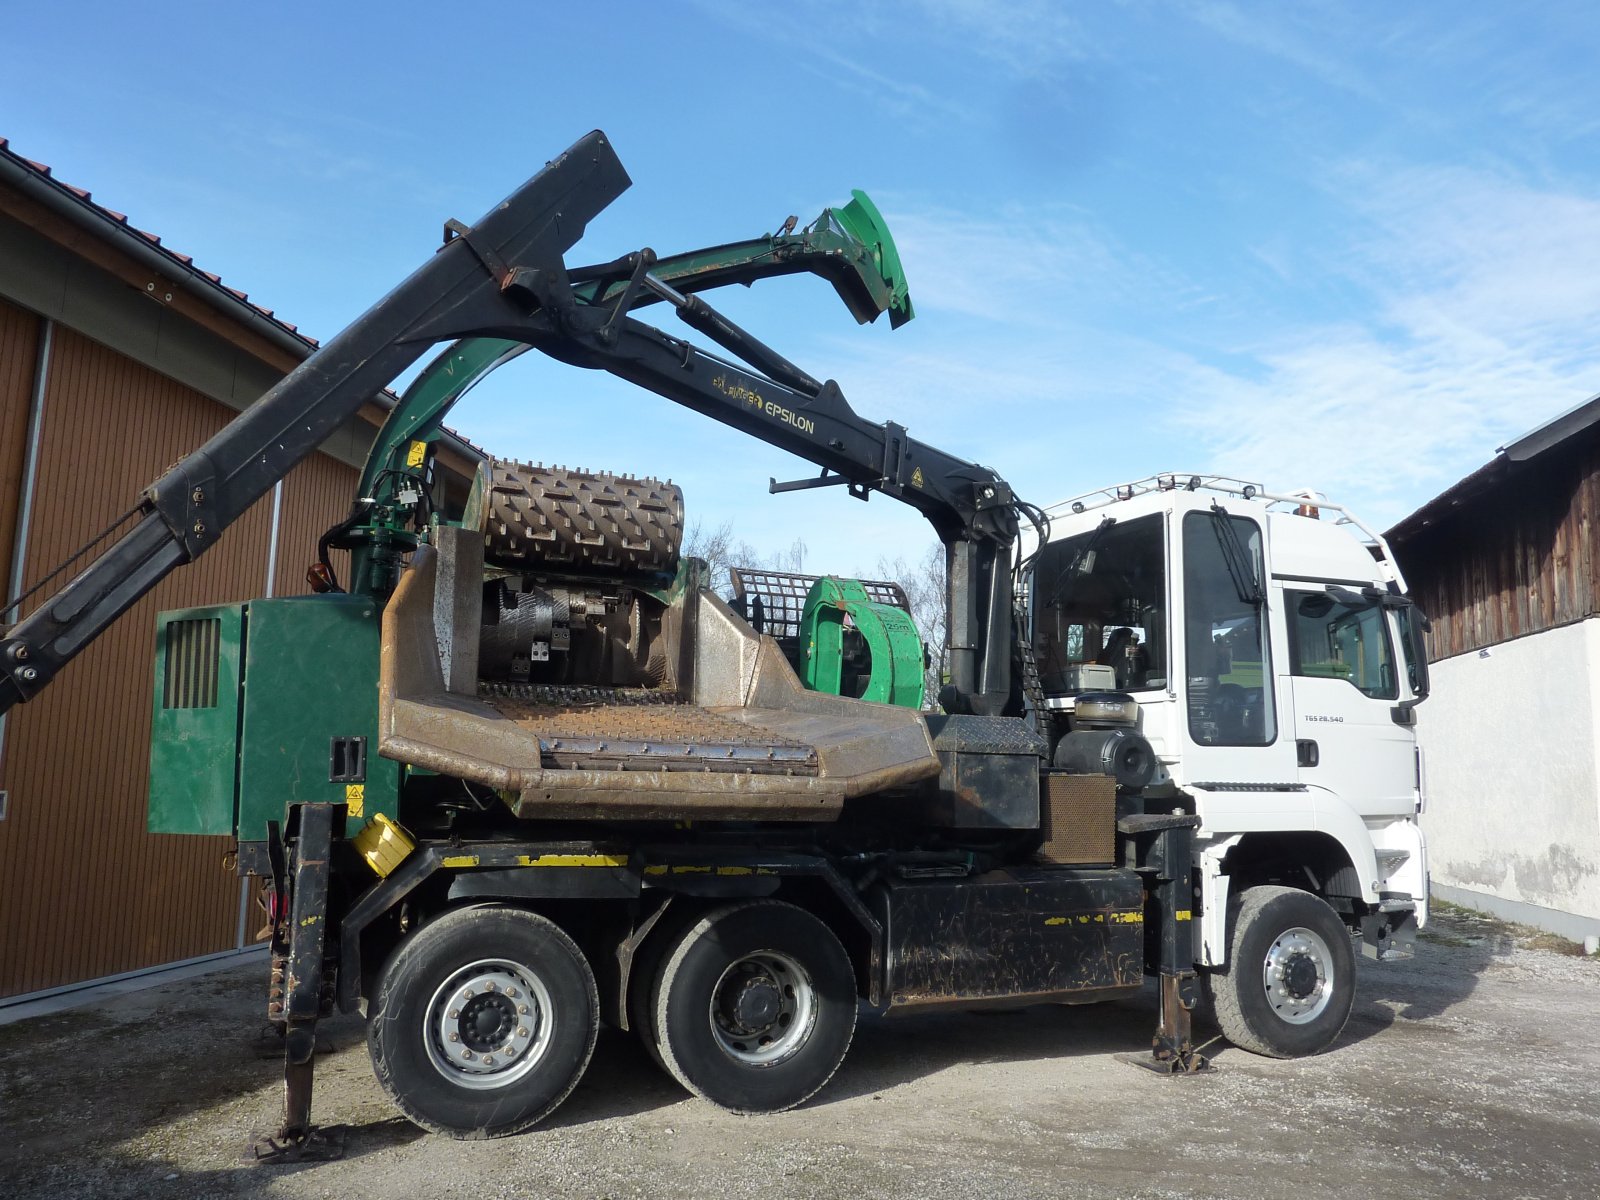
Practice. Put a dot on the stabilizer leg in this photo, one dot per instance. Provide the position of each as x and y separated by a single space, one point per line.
1166 857
297 1139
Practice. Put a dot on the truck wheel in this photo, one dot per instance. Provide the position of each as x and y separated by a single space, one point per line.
484 1021
1291 975
755 1006
646 972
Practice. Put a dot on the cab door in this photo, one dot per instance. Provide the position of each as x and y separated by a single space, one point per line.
1345 673
1238 718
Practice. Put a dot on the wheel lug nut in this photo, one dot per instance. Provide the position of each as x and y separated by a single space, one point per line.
522 1032
466 1054
454 1013
512 992
523 1009
489 987
455 1037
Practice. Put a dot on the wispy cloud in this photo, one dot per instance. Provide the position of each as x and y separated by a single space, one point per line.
1267 31
1468 304
1022 264
1024 39
1485 294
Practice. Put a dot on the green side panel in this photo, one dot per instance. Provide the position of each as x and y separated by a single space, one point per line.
194 732
311 676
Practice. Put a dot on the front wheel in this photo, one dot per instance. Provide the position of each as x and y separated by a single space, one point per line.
484 1021
755 1006
1291 975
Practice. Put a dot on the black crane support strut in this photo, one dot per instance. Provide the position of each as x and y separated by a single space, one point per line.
506 277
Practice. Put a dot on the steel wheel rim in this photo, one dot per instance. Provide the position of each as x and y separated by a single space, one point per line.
1298 975
740 1022
488 1024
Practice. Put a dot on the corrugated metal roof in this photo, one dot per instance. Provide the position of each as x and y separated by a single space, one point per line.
1554 432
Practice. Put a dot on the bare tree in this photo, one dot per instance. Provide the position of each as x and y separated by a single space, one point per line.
924 582
717 548
721 551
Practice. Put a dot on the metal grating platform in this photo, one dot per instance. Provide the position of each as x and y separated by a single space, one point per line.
783 597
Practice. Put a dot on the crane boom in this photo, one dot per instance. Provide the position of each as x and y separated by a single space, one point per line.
504 280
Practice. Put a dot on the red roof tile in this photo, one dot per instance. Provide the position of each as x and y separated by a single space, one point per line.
183 261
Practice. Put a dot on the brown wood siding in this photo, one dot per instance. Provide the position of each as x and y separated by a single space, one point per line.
19 349
1516 558
84 890
317 493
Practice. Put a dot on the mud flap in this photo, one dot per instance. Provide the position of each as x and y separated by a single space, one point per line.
1390 934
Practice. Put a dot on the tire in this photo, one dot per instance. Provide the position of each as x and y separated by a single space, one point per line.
755 1006
1291 975
502 987
646 972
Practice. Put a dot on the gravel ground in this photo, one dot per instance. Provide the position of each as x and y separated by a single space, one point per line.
1468 1071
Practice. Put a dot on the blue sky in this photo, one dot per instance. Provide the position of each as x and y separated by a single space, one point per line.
1349 246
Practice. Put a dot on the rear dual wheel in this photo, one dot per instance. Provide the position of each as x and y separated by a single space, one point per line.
484 1021
753 1006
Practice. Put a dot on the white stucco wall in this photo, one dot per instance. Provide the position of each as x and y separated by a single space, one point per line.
1511 736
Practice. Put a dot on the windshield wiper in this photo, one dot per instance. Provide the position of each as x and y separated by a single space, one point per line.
1246 585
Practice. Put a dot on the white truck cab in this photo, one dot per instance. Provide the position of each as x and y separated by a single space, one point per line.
1275 663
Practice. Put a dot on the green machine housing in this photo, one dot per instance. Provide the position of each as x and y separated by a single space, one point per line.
227 758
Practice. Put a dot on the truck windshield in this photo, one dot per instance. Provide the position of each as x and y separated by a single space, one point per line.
1100 609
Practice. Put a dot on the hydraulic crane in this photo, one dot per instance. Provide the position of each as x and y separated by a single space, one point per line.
670 828
502 285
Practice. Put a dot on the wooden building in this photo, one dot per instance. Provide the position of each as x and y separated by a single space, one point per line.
1505 563
117 357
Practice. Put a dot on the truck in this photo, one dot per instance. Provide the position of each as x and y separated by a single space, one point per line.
521 771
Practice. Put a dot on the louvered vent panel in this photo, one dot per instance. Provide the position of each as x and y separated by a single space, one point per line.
191 676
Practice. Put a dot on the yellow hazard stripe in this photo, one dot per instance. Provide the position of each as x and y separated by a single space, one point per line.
573 860
1117 918
542 860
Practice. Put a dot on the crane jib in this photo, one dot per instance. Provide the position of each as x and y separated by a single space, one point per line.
503 283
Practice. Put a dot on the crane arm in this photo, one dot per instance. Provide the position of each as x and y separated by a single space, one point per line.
505 280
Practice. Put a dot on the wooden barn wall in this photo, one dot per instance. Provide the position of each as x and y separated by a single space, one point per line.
84 890
316 494
1516 559
19 350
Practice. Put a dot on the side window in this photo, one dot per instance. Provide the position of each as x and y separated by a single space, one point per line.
1229 674
1099 613
1336 639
